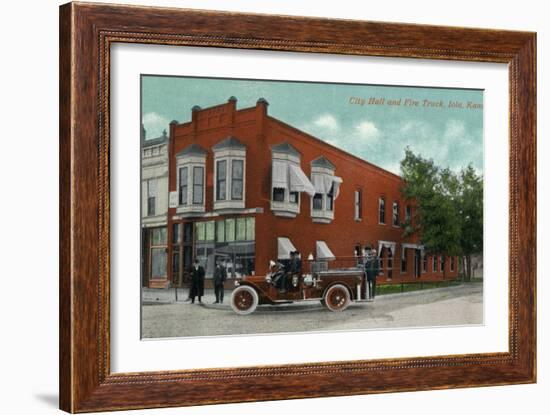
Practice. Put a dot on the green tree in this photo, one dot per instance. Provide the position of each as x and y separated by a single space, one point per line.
449 207
471 216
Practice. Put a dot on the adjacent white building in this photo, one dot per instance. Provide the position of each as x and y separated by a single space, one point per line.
154 208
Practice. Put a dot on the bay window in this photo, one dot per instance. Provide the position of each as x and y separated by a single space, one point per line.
287 181
327 187
229 170
191 166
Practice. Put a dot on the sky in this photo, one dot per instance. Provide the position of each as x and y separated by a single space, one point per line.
374 122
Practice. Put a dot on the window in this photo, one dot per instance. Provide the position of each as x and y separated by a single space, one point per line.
198 185
176 233
424 263
408 213
229 171
278 194
326 186
237 180
330 198
395 214
434 263
358 204
231 239
318 201
452 264
441 263
190 163
221 179
288 181
381 210
151 196
404 261
183 186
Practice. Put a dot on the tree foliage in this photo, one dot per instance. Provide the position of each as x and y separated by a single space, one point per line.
448 206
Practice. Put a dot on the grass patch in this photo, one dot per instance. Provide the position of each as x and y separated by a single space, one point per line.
397 288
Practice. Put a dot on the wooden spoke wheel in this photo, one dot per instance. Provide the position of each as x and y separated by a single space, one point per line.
337 298
244 300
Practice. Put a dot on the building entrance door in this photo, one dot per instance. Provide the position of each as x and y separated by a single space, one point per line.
417 259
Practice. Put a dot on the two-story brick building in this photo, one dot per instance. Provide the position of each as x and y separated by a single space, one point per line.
248 187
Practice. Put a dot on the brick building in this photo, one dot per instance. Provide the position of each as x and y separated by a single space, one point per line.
248 187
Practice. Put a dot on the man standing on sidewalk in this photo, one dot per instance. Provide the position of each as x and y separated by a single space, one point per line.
220 275
373 268
197 281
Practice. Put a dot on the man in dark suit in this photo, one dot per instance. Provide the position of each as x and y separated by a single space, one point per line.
197 281
373 268
220 275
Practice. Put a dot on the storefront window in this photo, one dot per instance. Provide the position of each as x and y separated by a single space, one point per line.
250 229
220 231
210 230
229 230
158 263
234 242
200 231
158 236
241 229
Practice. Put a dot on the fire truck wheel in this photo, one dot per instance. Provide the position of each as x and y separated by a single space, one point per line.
337 298
244 300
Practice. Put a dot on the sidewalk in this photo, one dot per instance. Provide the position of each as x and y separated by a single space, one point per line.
168 295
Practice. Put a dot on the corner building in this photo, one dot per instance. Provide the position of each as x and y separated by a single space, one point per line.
247 187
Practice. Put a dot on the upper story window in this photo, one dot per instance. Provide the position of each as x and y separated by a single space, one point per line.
395 214
382 210
287 181
358 204
408 213
424 263
198 185
229 171
327 188
191 179
151 196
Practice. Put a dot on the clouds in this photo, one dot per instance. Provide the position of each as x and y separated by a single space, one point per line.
449 143
367 130
154 124
327 122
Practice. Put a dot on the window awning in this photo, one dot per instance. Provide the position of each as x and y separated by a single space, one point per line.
323 251
386 244
279 174
284 248
411 246
335 181
299 181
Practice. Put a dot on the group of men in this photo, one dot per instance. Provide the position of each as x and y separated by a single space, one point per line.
290 267
197 281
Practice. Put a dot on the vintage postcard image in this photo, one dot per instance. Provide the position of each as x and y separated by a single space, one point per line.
271 206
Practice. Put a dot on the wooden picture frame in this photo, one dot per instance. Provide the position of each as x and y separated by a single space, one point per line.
86 33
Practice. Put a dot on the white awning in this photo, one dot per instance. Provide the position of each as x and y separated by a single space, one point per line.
336 182
318 183
279 174
299 181
323 251
386 244
284 248
411 246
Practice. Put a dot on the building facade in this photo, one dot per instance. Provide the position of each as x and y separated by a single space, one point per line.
154 209
249 188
